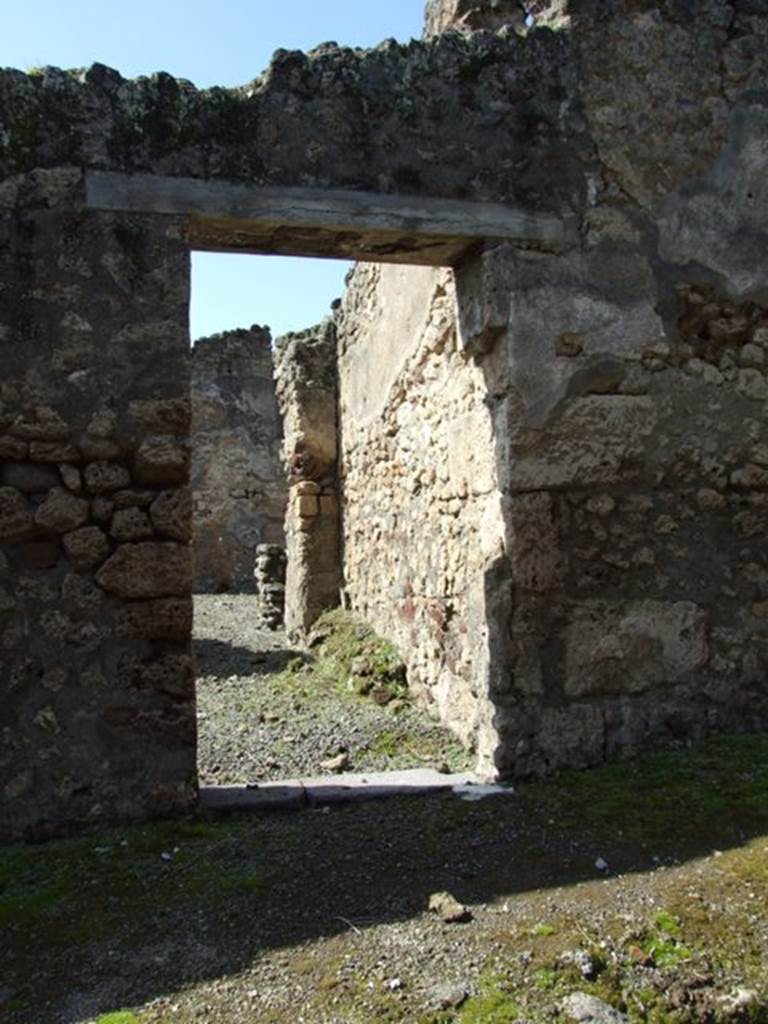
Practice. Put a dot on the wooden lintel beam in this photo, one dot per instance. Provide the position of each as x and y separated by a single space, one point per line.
325 222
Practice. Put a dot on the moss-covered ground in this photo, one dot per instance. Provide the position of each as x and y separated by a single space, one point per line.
268 712
643 883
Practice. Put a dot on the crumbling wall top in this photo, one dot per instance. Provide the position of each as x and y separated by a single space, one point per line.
419 118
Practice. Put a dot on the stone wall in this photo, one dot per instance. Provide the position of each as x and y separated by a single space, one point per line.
421 510
307 390
606 583
237 481
401 118
626 386
97 715
472 15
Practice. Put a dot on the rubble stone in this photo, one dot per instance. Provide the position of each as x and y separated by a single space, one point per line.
147 570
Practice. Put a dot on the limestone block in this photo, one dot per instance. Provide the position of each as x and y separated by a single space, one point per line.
171 514
15 515
102 477
631 646
471 453
28 477
572 736
86 547
589 443
62 511
131 524
164 618
147 570
307 505
329 505
307 487
162 461
482 302
535 546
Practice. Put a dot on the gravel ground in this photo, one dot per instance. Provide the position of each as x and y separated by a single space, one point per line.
641 887
257 722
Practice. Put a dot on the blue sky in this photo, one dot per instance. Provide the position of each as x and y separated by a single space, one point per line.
223 43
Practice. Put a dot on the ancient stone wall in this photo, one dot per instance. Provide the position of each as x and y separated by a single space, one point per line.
237 480
307 390
623 387
401 118
626 386
97 714
421 510
471 15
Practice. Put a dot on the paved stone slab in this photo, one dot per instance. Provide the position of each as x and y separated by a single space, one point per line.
353 787
290 796
348 787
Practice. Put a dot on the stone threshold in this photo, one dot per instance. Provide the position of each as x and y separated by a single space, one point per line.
348 787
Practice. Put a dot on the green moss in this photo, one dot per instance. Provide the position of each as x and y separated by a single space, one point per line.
544 929
254 882
26 891
664 944
494 1005
545 978
21 142
707 786
347 639
120 1017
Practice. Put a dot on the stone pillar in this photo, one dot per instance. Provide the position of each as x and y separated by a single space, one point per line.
269 576
307 393
238 482
97 711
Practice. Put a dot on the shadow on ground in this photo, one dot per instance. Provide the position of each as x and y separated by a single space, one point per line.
220 659
120 917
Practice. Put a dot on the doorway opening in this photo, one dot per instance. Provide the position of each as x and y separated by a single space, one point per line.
430 594
270 709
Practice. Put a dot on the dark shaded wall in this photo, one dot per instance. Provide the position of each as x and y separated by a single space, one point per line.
97 709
